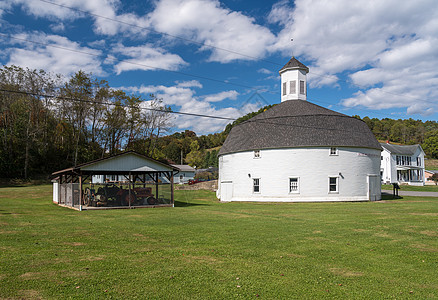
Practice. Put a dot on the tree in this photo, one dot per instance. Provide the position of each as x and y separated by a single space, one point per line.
195 157
434 177
430 145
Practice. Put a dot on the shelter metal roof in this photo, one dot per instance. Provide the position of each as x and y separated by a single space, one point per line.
122 163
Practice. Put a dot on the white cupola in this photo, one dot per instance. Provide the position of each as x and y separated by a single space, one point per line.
293 80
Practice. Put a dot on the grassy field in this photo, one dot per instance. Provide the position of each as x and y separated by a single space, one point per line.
203 249
431 164
426 188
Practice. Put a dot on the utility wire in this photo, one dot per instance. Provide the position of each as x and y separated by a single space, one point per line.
269 121
222 49
114 104
133 63
160 32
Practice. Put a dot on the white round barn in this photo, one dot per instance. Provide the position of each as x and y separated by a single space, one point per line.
298 151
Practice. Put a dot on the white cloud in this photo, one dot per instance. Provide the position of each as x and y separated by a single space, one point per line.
183 97
103 12
232 95
53 58
264 71
207 22
146 57
387 47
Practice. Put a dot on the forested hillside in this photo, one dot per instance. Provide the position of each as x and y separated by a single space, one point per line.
48 123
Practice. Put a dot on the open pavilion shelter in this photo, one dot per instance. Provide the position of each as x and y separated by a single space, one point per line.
130 180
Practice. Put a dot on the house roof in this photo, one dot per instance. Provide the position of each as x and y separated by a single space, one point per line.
293 63
401 149
297 123
185 168
125 162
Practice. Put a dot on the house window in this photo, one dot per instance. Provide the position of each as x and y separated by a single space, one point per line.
256 153
302 92
256 185
284 88
294 185
333 184
333 151
293 87
181 177
419 161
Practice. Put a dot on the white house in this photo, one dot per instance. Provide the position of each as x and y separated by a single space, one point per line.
299 151
402 164
185 174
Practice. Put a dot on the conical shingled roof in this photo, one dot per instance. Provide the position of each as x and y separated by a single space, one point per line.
293 63
296 123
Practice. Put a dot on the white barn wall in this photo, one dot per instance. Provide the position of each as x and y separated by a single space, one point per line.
313 166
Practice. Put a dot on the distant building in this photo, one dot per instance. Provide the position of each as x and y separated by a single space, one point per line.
299 151
185 174
428 175
403 164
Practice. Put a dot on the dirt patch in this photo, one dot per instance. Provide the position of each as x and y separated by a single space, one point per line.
32 275
295 255
425 248
429 233
425 214
345 273
360 230
317 231
382 234
30 294
75 244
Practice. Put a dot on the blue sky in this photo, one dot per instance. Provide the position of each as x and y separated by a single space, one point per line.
368 58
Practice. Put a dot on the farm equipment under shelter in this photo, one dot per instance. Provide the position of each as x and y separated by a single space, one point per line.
125 180
112 195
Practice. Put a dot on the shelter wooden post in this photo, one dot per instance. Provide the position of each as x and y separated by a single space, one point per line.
171 189
156 186
80 192
129 192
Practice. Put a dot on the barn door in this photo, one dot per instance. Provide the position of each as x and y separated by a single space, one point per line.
374 187
226 190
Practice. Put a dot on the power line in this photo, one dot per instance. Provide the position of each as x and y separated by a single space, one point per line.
269 121
222 49
114 104
160 32
133 63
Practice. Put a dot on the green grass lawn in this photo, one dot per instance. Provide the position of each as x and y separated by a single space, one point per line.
426 188
203 249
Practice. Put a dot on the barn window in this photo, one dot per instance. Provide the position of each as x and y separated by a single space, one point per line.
302 91
333 151
294 185
256 185
284 88
293 87
333 184
257 154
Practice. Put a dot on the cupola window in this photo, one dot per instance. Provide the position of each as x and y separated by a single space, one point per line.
293 87
302 91
284 88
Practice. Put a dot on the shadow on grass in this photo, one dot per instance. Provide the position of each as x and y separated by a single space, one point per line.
390 197
186 204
